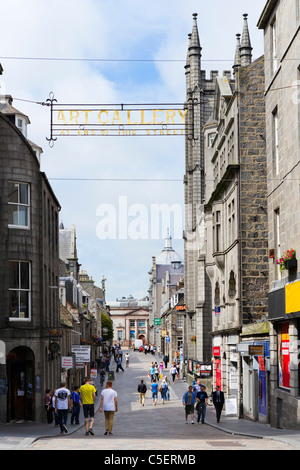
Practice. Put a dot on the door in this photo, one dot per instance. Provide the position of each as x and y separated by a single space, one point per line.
262 393
20 374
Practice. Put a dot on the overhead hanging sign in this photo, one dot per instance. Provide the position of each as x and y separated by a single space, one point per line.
82 120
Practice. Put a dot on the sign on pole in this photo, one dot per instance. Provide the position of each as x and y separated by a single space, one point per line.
82 353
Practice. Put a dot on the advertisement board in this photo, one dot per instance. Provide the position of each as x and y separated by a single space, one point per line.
82 353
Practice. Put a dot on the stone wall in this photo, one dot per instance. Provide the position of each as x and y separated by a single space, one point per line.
253 191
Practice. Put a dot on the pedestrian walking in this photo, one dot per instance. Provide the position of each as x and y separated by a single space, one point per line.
119 364
120 352
154 390
107 363
142 389
109 404
151 372
127 359
163 391
168 388
166 360
173 372
201 405
62 406
102 376
218 401
56 421
156 372
75 405
188 401
197 386
48 406
88 396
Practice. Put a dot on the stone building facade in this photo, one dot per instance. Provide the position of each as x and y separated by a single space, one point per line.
130 319
29 272
199 102
226 236
236 226
166 273
280 22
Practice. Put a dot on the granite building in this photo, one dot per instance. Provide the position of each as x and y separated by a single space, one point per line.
237 231
226 233
29 272
199 95
166 272
280 22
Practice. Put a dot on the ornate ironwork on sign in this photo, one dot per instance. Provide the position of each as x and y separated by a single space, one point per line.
115 119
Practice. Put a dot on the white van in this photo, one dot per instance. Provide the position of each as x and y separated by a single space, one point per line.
137 344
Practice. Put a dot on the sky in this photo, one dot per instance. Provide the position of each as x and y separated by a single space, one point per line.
110 187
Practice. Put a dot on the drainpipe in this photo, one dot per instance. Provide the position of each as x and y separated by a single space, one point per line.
240 369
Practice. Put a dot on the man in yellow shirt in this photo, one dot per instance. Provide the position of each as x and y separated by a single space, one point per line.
87 396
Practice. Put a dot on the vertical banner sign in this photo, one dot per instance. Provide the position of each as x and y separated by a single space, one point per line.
126 120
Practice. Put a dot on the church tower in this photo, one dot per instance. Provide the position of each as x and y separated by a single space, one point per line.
199 102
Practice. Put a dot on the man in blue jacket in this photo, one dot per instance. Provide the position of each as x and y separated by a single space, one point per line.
188 401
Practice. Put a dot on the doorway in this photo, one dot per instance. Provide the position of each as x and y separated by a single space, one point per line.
20 375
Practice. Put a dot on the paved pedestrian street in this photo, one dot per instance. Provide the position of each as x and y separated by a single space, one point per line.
161 427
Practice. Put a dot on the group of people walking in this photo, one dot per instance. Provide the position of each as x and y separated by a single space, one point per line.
197 398
59 402
62 400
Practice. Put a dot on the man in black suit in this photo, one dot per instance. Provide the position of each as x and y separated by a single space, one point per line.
218 401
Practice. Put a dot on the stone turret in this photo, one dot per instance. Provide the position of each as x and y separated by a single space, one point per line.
237 57
246 49
194 55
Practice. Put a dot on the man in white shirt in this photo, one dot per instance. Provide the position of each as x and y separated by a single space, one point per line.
109 404
62 405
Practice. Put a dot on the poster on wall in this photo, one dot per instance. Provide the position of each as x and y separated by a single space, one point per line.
284 355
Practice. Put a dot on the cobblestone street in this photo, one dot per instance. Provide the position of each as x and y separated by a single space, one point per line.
160 427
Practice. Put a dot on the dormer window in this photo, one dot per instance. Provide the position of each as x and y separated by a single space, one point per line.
21 125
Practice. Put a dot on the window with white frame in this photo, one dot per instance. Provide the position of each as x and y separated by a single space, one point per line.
19 290
231 222
21 125
179 321
211 138
18 204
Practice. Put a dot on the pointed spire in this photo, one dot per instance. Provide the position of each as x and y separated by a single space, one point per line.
194 55
237 57
246 49
195 48
168 241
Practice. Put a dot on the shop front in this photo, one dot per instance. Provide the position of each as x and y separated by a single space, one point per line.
284 314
